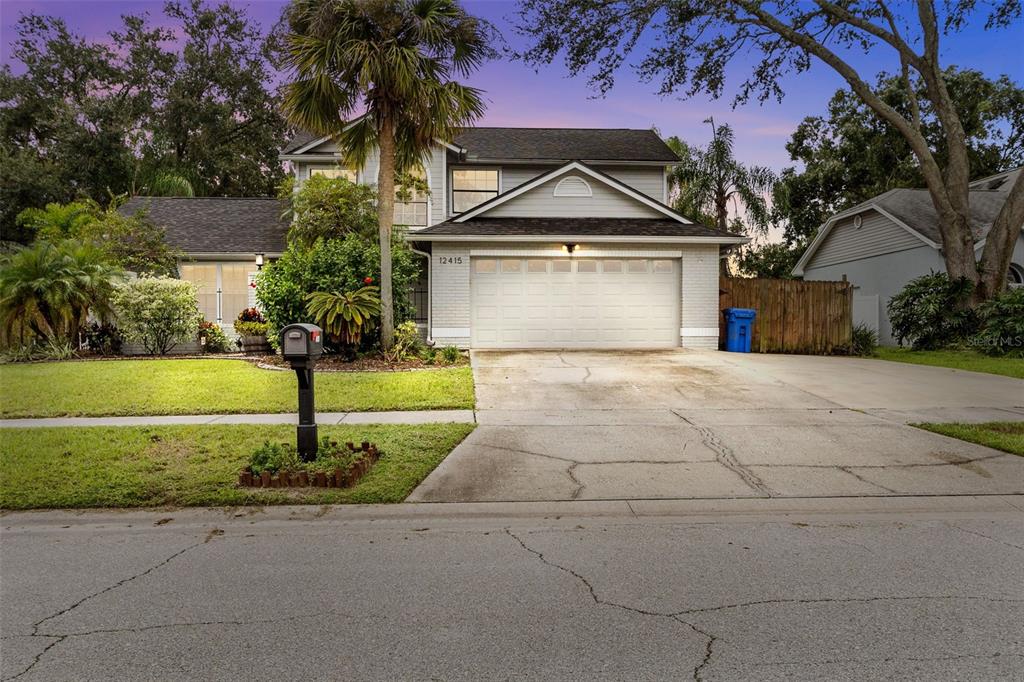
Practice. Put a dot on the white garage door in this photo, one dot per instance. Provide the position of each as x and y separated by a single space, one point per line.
575 302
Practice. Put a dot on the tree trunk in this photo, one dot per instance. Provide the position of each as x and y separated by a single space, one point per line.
385 221
722 218
998 251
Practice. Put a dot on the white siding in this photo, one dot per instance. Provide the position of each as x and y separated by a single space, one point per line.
649 180
700 296
539 202
449 295
877 235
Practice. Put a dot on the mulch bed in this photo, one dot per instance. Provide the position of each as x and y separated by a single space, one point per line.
368 363
338 478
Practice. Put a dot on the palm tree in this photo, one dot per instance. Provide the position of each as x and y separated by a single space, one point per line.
49 289
710 178
391 61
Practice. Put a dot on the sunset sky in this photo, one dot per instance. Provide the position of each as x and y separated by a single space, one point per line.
520 97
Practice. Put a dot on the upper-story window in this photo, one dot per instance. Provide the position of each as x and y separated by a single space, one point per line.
411 201
334 172
472 187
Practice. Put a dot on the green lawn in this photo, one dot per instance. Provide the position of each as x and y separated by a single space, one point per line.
197 465
1005 436
149 387
956 359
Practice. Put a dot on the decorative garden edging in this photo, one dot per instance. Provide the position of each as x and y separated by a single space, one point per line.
339 478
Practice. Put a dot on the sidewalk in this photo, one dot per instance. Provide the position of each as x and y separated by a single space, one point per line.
322 418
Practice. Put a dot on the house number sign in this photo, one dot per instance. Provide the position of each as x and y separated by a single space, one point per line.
450 260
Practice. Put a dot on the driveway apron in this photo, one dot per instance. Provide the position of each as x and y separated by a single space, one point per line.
702 424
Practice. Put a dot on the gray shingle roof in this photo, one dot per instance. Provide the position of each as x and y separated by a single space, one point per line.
548 144
914 208
216 224
585 227
564 144
302 138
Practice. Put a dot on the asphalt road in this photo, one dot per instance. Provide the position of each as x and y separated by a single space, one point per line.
908 588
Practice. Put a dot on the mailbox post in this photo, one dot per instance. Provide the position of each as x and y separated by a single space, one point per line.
302 345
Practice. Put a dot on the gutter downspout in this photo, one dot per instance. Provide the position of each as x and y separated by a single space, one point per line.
430 294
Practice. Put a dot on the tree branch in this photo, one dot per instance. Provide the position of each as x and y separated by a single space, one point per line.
892 38
929 167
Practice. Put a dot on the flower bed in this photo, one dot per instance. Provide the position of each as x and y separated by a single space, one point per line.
334 468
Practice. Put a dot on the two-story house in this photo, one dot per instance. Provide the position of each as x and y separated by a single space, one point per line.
531 238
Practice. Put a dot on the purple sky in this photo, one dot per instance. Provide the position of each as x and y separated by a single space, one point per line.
519 97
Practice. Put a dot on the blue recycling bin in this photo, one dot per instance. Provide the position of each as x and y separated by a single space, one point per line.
739 328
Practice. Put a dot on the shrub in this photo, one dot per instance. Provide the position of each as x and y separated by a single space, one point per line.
337 265
330 208
1002 326
250 322
343 316
104 338
450 355
407 343
865 340
158 312
931 312
429 355
212 338
48 291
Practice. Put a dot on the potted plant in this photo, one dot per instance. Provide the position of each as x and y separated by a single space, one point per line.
251 328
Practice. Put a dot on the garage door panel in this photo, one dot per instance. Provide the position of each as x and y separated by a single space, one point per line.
565 303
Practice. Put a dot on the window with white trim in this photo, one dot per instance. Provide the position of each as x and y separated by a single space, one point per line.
472 187
334 172
411 203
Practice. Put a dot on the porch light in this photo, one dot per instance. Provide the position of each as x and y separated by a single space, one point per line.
259 261
568 248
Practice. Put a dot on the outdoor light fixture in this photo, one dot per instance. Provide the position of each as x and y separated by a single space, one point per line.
568 248
259 261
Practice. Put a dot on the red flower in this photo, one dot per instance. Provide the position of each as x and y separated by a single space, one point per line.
368 280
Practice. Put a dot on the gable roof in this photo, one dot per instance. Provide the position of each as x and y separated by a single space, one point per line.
1002 182
567 229
210 225
564 144
542 144
913 210
554 173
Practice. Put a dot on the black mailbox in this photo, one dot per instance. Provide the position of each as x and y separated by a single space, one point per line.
302 345
302 342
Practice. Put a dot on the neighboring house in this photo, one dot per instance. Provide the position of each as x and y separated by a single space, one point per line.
222 238
531 238
883 243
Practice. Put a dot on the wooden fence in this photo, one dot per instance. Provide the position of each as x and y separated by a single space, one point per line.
792 316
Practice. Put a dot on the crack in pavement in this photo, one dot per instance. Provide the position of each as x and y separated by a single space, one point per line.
572 474
987 537
62 637
727 458
846 470
711 639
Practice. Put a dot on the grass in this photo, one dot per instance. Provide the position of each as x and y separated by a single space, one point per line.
968 360
197 465
150 387
1005 436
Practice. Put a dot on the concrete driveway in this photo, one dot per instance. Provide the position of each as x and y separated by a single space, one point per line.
701 424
